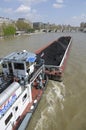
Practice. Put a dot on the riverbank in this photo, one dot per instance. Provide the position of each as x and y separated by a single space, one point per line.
29 34
22 34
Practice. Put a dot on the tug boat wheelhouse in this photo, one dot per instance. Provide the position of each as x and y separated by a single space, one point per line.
21 86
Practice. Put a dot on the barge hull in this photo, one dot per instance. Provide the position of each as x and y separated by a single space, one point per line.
55 56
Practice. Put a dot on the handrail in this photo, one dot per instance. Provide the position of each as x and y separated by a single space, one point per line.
36 73
51 66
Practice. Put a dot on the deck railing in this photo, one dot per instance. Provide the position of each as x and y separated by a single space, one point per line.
36 73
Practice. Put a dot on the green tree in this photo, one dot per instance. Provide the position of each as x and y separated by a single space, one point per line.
9 30
22 26
1 31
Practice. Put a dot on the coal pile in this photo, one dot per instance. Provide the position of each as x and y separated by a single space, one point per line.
54 53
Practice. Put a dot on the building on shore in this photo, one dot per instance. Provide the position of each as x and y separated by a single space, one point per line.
37 25
40 25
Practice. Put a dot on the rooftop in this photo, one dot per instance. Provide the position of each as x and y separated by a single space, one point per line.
21 56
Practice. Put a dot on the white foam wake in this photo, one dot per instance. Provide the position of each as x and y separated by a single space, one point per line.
54 98
42 121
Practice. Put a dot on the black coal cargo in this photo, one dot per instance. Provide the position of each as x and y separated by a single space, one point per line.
54 52
54 57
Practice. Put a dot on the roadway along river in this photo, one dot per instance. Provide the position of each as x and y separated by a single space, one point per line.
63 106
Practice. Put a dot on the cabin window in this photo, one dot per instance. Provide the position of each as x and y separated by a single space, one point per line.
27 64
8 118
4 65
19 66
24 97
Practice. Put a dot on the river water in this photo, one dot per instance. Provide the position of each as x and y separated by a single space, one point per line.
63 105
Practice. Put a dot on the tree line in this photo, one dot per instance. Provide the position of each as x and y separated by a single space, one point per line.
10 29
19 25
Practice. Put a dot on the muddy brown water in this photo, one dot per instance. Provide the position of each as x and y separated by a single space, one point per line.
63 105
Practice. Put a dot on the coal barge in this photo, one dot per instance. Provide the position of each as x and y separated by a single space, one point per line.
24 78
54 56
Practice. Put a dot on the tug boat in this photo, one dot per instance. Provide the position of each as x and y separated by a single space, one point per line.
24 78
21 86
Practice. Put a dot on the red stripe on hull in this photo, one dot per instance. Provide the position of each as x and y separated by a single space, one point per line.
36 94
